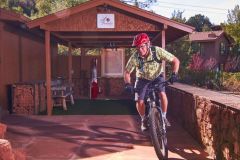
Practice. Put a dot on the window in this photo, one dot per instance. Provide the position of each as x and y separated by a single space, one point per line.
202 50
195 46
222 48
112 62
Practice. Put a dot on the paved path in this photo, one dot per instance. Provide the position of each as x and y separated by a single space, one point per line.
93 138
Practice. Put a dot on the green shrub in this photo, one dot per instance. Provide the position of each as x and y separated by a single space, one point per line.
207 79
231 81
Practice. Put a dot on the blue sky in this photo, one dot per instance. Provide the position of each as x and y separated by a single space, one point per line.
215 10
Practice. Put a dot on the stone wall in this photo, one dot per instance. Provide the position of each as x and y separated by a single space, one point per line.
214 125
6 150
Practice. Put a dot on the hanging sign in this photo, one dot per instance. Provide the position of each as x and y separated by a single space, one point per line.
105 21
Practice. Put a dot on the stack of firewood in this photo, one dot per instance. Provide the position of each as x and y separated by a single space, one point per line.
23 102
29 98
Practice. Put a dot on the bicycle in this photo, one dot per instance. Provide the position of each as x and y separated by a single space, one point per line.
155 121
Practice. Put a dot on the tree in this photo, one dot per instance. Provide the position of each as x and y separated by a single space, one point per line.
234 15
181 49
27 7
51 6
178 16
233 26
139 3
200 22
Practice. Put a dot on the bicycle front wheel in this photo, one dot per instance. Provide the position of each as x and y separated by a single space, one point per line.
158 134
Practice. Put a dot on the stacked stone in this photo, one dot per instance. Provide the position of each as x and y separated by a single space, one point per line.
214 125
5 147
6 151
208 122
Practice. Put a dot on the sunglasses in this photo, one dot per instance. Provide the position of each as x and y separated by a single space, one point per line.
141 46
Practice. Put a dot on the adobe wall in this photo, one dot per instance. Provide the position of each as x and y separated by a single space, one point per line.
212 118
22 58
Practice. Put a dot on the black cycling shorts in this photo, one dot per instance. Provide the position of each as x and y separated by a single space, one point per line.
141 86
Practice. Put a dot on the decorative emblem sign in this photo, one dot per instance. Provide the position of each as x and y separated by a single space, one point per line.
105 21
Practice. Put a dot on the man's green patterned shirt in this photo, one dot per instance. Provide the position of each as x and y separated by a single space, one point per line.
152 69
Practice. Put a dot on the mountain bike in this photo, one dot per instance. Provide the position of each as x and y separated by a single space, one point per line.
156 125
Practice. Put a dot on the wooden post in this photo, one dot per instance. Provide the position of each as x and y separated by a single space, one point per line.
69 63
164 46
48 72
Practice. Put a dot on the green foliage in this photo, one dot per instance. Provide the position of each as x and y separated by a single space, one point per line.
207 79
231 82
38 8
178 16
200 22
63 50
232 27
234 15
4 4
212 80
234 31
27 7
93 51
140 3
181 49
51 6
72 3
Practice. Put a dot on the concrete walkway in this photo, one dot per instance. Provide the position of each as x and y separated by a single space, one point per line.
94 138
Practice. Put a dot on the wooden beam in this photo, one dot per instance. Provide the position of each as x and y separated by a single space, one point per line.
164 46
159 34
48 72
79 45
96 37
69 63
101 46
156 37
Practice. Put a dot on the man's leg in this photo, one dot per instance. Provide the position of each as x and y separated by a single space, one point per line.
164 102
141 111
141 86
140 108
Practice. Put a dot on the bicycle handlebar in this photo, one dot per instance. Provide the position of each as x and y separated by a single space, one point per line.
154 84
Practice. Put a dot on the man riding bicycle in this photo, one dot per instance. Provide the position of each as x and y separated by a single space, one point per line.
147 62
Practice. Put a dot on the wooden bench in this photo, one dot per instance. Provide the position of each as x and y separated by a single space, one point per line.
60 93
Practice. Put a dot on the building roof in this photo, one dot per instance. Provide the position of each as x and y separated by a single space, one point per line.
84 33
114 3
205 36
7 15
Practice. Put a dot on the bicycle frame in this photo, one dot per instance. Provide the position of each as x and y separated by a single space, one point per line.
155 120
152 100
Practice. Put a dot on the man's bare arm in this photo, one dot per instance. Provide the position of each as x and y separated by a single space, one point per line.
175 65
127 77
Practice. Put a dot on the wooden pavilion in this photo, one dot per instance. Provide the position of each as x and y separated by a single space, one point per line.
103 23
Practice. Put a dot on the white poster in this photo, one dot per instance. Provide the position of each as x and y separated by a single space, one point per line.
105 21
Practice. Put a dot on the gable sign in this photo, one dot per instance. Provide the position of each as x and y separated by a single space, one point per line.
105 21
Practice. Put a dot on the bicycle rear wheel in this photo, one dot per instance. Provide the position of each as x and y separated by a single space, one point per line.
158 134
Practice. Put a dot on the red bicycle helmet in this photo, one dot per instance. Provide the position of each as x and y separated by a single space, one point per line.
140 39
